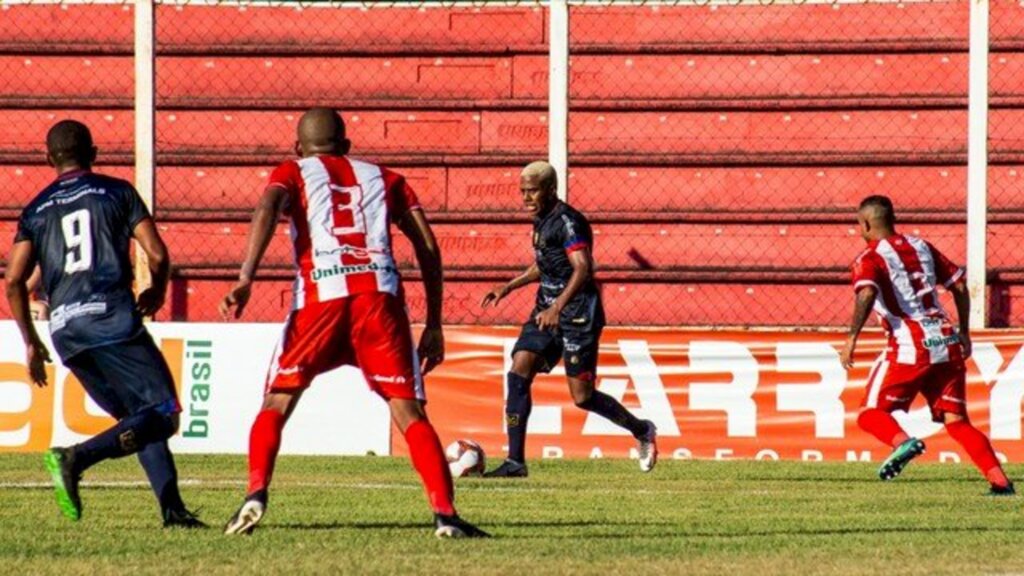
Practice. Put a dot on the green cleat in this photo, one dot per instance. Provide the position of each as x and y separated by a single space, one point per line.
900 457
59 462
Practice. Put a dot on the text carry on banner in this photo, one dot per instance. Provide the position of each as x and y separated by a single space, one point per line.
713 394
717 394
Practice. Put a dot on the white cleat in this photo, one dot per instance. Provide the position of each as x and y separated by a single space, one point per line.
647 446
247 517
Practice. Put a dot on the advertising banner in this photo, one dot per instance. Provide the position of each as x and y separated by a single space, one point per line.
713 394
765 395
220 370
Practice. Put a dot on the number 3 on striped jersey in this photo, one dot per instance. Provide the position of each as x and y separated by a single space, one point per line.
78 238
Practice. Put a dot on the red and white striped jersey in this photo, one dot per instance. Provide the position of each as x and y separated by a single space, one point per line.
341 212
906 271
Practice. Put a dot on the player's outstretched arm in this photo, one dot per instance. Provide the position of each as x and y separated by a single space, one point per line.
531 275
428 253
962 298
582 264
159 261
20 263
261 230
863 302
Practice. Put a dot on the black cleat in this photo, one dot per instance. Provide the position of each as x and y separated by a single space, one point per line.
60 463
182 519
455 527
508 469
248 515
1007 490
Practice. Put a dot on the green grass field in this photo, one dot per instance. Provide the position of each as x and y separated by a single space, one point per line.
368 515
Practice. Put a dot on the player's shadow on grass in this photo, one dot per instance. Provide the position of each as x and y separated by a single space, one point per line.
856 480
341 525
865 531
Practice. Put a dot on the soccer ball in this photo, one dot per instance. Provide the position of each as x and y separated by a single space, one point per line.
465 458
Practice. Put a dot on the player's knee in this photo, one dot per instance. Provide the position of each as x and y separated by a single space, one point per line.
581 395
950 418
405 412
523 365
174 421
865 417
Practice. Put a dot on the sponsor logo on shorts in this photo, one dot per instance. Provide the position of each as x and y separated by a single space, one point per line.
388 379
289 371
891 398
338 270
941 341
953 400
571 346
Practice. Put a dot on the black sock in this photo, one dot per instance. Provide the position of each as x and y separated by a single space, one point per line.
158 462
610 408
126 437
517 412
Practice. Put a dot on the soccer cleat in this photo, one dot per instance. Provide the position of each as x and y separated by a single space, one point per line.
182 519
1007 490
647 446
900 457
249 514
455 527
60 463
508 469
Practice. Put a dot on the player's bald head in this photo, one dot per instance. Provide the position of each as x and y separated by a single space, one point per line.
70 142
322 131
543 173
878 211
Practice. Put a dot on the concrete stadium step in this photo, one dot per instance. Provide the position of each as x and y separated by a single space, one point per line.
865 136
633 81
728 195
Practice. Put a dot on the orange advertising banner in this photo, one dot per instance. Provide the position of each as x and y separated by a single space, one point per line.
764 395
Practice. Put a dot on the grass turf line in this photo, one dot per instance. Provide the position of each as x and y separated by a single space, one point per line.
368 515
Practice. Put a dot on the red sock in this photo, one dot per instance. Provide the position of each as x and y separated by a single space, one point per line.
429 460
980 450
883 426
264 442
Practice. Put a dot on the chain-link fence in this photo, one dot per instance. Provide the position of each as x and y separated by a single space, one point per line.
60 61
1005 260
724 148
719 148
424 89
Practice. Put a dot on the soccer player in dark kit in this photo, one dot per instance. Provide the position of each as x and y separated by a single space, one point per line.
78 229
566 322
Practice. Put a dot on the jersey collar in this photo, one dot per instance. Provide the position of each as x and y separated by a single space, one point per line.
73 174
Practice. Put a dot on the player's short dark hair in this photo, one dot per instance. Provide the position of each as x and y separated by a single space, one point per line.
70 141
883 205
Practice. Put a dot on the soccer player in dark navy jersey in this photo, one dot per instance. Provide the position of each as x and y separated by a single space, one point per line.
78 229
565 324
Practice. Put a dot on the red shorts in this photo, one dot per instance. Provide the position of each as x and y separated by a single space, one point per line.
892 386
370 331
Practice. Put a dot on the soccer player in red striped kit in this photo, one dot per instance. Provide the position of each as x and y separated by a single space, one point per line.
348 305
898 275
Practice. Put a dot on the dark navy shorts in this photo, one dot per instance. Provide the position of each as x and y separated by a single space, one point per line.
126 378
577 348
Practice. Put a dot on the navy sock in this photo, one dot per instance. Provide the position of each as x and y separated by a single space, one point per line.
517 412
126 437
610 408
158 462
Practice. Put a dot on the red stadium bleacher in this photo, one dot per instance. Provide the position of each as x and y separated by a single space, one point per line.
719 150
